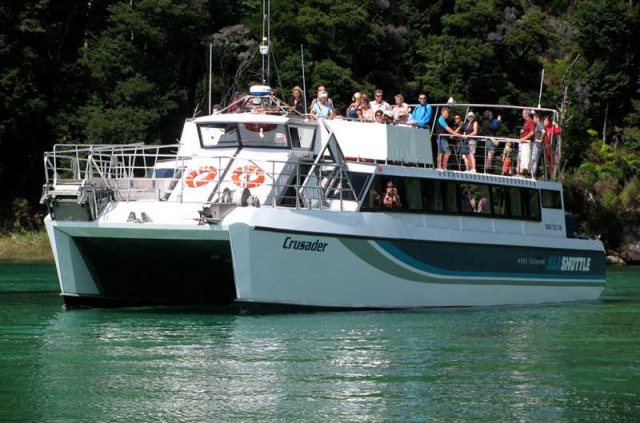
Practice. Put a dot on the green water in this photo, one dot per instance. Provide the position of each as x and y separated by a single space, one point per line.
566 363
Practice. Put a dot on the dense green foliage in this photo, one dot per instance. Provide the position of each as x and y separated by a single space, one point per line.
110 71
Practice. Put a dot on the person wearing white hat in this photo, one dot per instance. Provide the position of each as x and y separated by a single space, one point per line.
322 109
470 129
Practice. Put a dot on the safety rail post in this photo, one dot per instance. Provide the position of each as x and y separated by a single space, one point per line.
273 184
297 186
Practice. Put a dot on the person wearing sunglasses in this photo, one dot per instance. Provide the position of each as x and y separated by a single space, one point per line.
422 113
378 103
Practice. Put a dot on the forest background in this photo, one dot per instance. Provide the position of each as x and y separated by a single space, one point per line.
108 71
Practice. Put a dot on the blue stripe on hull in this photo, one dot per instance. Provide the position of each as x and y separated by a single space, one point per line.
484 261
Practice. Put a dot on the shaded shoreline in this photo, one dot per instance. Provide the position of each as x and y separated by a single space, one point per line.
25 247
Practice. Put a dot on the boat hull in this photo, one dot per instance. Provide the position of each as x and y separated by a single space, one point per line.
273 266
356 272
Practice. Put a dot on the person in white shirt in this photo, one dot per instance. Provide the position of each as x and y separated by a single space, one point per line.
379 103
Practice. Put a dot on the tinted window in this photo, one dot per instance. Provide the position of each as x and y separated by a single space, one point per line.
532 201
551 199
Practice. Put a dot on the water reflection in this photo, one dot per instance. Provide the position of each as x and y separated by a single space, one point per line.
549 363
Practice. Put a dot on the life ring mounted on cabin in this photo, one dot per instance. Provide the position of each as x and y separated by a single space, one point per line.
200 177
248 176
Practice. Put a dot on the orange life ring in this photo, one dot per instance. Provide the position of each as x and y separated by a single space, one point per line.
248 176
257 127
200 177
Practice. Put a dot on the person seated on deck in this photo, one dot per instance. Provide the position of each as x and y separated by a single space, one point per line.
400 110
422 113
444 150
378 116
322 109
352 110
391 197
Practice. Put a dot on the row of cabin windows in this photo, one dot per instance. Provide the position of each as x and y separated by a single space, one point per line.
443 196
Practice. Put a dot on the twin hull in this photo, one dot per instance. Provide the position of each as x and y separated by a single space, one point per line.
260 257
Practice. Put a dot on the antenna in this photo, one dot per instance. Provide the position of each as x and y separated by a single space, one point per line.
210 75
304 82
541 84
264 45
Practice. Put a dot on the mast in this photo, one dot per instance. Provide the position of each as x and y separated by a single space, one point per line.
264 45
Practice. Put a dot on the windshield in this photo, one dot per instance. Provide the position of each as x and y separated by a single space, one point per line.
270 135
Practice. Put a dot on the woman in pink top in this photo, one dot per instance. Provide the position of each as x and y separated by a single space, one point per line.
367 111
551 129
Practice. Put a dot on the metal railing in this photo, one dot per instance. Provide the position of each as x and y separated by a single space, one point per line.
495 155
137 172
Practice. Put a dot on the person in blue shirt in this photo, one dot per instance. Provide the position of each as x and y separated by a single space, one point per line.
421 114
444 150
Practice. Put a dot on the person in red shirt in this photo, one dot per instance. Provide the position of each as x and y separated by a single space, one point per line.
551 129
526 135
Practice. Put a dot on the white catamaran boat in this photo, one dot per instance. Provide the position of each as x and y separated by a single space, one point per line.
263 208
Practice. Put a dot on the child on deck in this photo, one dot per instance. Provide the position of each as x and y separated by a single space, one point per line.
506 159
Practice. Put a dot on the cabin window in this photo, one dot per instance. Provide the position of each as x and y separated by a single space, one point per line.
263 135
532 201
515 202
449 197
551 199
249 134
412 192
499 200
218 134
358 181
302 136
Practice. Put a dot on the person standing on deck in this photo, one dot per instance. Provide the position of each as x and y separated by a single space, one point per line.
421 114
444 150
526 135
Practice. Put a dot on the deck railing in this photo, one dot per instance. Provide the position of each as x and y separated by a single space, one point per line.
156 173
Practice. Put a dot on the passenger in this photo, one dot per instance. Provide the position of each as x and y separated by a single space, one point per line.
391 197
378 103
367 111
322 109
551 129
378 116
490 127
235 102
321 88
296 103
481 206
352 109
538 145
444 150
470 129
359 112
421 114
526 135
387 118
400 110
506 159
468 201
457 123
